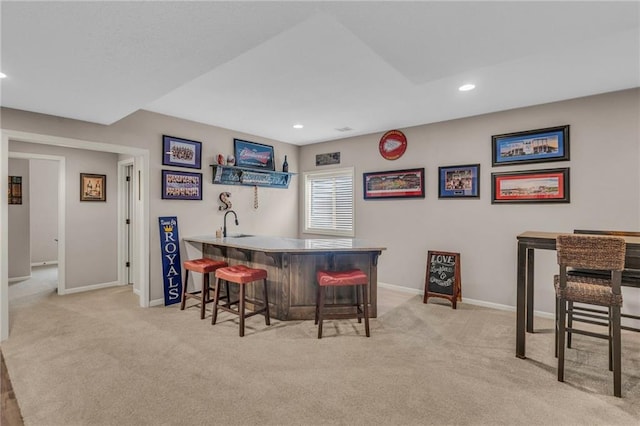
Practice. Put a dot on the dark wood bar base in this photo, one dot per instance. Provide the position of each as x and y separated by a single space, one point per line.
292 277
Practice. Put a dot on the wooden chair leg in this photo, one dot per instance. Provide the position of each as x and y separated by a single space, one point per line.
617 352
562 315
610 315
184 289
569 323
320 307
365 301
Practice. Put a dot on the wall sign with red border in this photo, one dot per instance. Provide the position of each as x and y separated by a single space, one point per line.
393 144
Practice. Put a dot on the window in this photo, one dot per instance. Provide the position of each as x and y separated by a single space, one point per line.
329 202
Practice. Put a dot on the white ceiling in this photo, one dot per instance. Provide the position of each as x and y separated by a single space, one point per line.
260 67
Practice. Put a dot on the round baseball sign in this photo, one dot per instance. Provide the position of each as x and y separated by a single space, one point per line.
393 144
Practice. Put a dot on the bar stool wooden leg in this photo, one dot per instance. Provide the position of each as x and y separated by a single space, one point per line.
321 296
358 303
365 301
216 299
204 294
242 286
267 318
317 304
184 289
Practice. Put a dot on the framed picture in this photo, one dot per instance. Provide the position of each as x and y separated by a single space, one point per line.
93 187
181 152
327 159
15 190
531 186
253 155
459 181
408 183
181 185
532 146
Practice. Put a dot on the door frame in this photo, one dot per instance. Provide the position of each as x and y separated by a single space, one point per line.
125 198
141 209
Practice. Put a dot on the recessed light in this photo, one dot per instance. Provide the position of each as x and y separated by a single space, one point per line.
466 87
3 75
298 126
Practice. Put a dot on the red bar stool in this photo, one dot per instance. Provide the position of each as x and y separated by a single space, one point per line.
241 275
204 266
352 277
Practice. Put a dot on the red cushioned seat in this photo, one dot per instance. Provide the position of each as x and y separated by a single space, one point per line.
204 266
241 275
351 277
337 278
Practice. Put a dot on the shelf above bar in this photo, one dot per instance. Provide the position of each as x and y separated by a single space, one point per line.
231 175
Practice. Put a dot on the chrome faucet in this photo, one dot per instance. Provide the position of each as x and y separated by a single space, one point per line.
224 230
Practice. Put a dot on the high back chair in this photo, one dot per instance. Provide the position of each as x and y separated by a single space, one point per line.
592 253
630 278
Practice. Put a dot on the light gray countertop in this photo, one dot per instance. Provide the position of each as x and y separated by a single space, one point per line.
288 245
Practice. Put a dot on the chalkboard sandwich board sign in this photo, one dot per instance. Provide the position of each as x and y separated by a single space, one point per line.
443 276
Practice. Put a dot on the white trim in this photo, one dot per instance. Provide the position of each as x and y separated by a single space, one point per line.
14 279
141 234
62 197
91 287
48 262
400 288
4 245
157 302
122 213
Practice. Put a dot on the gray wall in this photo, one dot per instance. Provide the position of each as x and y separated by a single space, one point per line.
18 221
605 194
605 189
43 188
277 213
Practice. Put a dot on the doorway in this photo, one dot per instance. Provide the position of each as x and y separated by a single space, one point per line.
141 210
56 237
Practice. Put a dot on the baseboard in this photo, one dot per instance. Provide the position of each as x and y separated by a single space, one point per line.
48 262
14 279
136 291
157 302
475 302
89 287
400 288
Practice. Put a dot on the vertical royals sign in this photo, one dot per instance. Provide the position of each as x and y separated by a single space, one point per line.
171 269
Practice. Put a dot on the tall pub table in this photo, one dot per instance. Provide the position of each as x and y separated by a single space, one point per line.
528 242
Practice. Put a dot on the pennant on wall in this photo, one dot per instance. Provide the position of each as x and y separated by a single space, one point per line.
171 265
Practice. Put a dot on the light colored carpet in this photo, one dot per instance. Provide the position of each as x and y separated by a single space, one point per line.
97 359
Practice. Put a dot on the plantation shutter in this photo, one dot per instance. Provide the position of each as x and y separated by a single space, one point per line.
329 202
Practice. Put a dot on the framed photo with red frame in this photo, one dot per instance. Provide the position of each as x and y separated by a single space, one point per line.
407 183
531 186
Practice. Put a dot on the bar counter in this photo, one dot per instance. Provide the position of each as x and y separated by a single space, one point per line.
291 265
